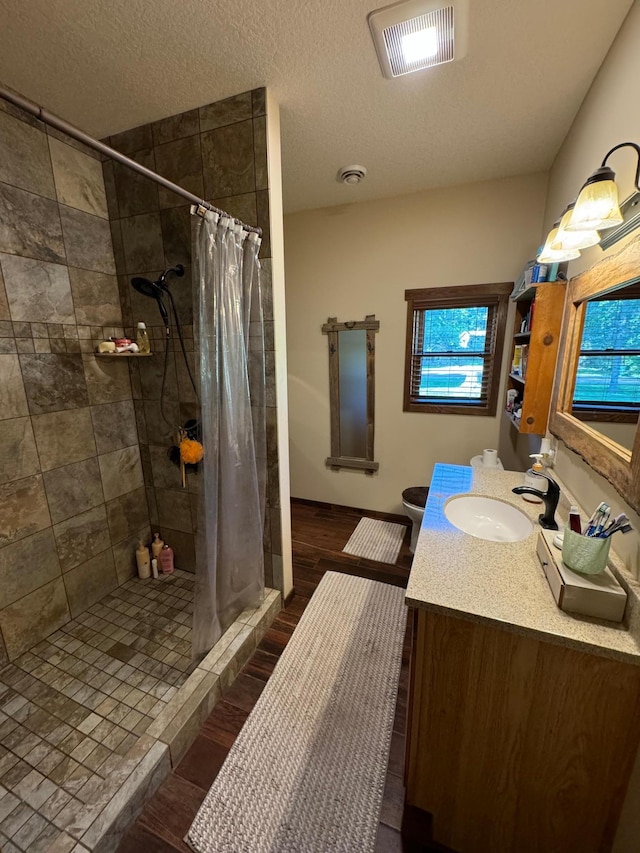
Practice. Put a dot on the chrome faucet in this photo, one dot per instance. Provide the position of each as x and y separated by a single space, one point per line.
550 498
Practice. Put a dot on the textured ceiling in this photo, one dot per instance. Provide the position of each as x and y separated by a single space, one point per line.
107 65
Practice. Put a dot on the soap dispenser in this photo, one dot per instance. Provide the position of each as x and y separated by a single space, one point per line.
535 482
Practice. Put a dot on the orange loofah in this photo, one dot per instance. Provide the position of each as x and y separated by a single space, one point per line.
191 451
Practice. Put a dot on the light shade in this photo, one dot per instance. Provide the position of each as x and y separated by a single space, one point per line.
597 207
551 256
568 240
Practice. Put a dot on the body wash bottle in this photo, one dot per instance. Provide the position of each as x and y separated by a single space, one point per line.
166 560
535 482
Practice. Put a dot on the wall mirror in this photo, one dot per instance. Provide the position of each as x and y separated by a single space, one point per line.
351 392
596 398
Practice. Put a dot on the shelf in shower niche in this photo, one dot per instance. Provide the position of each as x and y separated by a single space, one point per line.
122 354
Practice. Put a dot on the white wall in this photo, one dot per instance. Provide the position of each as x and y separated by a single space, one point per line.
354 260
279 315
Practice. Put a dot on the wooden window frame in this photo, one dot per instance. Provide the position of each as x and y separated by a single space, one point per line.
465 296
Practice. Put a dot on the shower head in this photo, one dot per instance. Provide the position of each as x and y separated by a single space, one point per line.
154 290
177 270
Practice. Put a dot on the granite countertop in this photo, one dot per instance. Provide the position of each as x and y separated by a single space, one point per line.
502 583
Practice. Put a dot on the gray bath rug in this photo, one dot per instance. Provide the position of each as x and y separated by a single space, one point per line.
376 540
306 773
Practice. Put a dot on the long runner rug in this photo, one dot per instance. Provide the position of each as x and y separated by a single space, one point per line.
376 540
306 773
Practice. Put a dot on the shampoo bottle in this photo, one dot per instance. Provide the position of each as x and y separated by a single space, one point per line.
535 482
143 339
156 546
143 560
166 560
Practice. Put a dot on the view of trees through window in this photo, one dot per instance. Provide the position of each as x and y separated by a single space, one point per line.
609 364
450 364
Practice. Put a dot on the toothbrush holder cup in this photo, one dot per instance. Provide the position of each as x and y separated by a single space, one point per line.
587 555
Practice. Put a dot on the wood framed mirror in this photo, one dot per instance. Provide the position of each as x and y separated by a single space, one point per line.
351 392
595 404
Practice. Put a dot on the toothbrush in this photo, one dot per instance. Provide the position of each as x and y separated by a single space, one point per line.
620 522
626 528
591 524
604 519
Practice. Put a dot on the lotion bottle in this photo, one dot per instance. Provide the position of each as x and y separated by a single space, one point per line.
143 560
535 482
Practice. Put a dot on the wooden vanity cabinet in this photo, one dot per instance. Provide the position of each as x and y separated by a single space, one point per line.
515 744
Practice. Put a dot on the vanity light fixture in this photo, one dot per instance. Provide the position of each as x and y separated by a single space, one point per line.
597 206
549 255
417 34
596 209
568 240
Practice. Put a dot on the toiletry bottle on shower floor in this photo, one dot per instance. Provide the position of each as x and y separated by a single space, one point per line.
166 560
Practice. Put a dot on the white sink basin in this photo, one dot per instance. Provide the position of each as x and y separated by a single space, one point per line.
488 519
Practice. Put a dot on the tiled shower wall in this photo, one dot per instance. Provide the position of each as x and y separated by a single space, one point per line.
72 497
217 152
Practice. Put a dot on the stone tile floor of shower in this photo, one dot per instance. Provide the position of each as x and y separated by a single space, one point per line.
75 708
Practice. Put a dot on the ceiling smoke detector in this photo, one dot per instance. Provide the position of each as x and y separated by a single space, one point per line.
417 34
352 174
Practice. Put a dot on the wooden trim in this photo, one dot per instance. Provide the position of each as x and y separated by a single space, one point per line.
605 416
349 462
371 390
481 295
618 465
334 392
369 323
459 293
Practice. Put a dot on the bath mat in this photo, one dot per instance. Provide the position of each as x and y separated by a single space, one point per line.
306 773
376 540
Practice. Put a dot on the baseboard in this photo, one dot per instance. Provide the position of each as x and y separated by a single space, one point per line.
371 513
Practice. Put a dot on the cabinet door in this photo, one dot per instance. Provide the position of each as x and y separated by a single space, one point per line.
518 745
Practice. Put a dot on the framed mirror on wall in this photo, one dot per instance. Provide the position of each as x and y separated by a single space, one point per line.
352 392
596 398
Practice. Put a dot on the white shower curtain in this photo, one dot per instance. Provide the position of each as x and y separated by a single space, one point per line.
230 343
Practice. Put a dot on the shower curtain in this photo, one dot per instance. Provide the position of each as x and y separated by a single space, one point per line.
230 337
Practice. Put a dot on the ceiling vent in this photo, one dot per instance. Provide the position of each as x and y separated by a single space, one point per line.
352 174
418 34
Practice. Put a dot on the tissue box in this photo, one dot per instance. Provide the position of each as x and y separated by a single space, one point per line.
589 595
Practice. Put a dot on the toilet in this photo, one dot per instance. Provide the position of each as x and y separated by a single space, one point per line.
413 500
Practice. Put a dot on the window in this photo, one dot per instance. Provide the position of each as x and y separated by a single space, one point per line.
454 347
608 374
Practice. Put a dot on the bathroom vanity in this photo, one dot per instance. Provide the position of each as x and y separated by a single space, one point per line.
524 720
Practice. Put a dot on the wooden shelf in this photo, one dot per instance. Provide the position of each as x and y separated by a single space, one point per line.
515 422
122 354
522 336
517 378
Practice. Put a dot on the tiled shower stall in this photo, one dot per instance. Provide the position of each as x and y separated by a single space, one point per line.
97 687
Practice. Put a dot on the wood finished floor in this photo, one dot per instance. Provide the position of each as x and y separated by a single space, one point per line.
319 533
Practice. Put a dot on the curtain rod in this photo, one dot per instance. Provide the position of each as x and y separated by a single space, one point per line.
75 132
